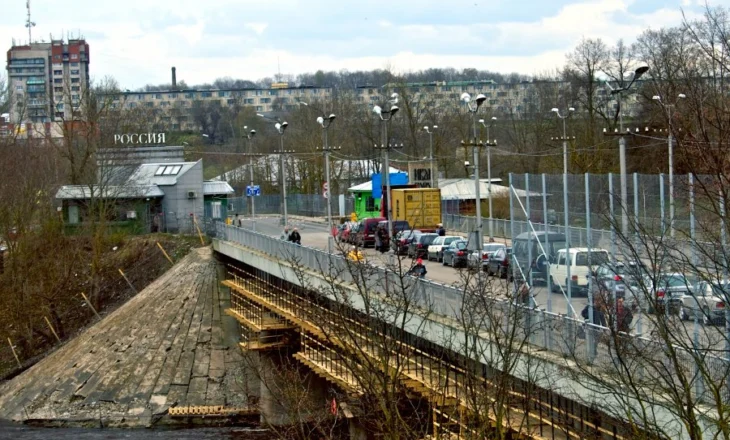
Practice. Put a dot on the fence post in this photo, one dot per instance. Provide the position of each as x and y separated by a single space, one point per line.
512 228
531 263
590 335
637 231
661 204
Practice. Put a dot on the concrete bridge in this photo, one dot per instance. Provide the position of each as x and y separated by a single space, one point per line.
336 316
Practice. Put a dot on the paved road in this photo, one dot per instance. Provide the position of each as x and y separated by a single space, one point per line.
314 234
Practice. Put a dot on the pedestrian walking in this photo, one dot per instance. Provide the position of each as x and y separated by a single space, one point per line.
441 231
285 234
378 239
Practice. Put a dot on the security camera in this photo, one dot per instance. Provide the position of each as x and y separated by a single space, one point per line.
466 163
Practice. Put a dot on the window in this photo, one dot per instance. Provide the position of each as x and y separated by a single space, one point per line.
189 95
158 95
57 81
561 259
206 94
370 204
75 88
74 56
58 72
172 95
168 170
222 94
272 92
248 101
74 80
265 100
216 209
75 72
58 89
74 64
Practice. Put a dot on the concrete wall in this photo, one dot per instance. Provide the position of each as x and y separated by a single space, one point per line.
176 203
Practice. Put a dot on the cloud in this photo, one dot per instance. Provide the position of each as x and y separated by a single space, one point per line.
247 39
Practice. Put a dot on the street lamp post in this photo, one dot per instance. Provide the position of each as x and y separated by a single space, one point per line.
385 116
466 98
490 143
670 146
430 143
565 203
280 129
622 148
250 136
325 122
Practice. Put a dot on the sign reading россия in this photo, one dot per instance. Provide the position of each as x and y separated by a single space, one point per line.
139 138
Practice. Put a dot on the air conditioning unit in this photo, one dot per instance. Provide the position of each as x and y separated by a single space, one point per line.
191 194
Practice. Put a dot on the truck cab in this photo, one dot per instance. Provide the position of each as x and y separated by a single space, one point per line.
582 264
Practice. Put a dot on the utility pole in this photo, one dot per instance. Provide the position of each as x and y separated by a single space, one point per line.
385 117
251 155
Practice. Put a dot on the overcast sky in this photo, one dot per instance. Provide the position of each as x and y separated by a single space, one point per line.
137 41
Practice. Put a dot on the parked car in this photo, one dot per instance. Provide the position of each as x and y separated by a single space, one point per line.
670 289
435 249
528 252
582 265
499 263
418 248
707 302
403 239
455 254
478 259
366 231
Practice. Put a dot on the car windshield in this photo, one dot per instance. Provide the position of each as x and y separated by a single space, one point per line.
428 238
581 258
438 241
449 240
461 245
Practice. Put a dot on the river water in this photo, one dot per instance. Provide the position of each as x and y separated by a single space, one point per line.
22 432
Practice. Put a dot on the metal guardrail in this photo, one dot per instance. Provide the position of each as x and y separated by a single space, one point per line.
559 334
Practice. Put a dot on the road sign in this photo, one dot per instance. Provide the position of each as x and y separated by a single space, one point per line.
325 190
254 190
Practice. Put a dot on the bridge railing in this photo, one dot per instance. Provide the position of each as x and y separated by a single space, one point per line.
567 337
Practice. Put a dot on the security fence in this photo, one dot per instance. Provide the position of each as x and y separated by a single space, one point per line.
309 205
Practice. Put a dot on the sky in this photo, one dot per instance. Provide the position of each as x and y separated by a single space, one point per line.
137 41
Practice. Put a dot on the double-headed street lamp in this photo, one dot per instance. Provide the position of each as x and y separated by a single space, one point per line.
622 147
563 117
670 141
490 143
385 116
473 108
280 129
249 136
325 122
430 143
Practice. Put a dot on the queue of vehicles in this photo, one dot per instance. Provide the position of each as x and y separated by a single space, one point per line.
540 255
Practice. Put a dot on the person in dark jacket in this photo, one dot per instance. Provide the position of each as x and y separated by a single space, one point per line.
418 270
441 231
295 237
594 331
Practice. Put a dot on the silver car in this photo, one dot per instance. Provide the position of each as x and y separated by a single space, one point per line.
706 301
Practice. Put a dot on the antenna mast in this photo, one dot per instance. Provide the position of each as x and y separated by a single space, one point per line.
28 23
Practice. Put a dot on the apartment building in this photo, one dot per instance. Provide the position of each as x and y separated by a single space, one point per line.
174 108
46 80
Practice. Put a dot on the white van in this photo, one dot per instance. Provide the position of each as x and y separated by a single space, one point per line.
578 258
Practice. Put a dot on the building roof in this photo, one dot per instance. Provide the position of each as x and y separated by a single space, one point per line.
464 189
213 188
368 186
84 192
160 173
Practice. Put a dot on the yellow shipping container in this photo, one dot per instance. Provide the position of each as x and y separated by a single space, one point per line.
420 207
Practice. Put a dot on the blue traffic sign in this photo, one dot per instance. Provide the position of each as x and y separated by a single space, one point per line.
253 190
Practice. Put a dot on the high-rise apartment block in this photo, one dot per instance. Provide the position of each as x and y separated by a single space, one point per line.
47 80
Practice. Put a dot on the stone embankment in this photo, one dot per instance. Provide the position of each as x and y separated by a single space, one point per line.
163 349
